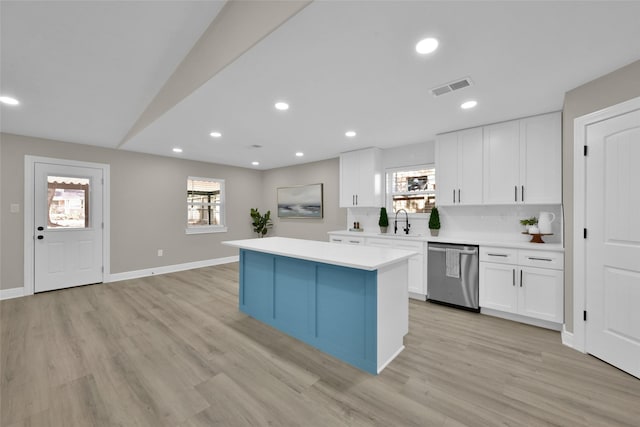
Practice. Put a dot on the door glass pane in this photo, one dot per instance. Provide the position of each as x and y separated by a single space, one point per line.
68 202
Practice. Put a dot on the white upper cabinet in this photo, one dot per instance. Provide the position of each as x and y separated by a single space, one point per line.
361 178
502 162
459 168
541 159
523 161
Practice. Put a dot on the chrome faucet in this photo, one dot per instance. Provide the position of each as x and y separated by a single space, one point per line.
406 222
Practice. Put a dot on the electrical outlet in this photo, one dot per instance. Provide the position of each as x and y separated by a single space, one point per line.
160 252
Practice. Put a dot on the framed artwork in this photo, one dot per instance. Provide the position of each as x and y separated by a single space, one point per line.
302 201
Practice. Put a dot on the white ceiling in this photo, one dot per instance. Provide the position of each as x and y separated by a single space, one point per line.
85 71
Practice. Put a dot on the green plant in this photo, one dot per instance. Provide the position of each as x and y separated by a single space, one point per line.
529 221
384 219
261 223
434 219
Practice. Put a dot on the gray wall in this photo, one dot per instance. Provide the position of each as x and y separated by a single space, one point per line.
618 86
326 172
148 205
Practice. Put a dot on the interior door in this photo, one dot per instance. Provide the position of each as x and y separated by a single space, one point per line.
68 226
613 241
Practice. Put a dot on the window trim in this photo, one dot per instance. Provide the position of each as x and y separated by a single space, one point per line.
388 173
205 229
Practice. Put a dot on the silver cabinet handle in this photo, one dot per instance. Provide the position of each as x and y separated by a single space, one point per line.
514 277
354 241
515 193
458 195
454 195
356 199
337 240
522 193
502 255
539 259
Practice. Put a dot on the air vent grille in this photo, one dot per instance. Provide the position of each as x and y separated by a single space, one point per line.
451 86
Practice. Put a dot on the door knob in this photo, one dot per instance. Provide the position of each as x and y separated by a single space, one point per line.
40 237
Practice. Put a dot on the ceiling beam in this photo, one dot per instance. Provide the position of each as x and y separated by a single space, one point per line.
237 28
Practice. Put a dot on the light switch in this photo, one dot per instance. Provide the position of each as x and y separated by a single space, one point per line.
14 208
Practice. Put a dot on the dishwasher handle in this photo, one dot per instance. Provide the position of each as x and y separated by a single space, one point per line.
462 252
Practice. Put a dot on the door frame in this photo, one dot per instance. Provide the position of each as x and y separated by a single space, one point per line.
580 125
29 212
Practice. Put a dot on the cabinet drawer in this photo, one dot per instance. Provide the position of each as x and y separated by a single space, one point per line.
383 243
542 259
347 240
409 246
499 255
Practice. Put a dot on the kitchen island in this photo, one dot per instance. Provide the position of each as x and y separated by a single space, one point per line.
349 302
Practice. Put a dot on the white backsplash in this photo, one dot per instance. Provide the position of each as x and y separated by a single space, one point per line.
501 223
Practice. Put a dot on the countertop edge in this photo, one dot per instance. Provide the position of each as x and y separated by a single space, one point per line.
555 247
400 254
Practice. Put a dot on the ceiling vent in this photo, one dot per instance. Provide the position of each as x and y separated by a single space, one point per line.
450 87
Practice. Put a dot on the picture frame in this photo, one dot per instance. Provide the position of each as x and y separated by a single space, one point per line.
300 201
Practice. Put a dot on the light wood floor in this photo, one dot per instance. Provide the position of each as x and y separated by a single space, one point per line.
174 350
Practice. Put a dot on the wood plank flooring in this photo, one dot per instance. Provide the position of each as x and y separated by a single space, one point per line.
173 350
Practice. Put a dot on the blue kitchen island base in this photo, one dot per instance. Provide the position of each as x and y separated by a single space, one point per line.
359 316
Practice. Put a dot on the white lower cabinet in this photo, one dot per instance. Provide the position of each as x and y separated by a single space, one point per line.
417 269
523 282
417 263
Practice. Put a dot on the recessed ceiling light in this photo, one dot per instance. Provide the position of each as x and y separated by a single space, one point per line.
255 163
9 100
468 104
427 45
177 150
281 106
299 154
215 134
350 133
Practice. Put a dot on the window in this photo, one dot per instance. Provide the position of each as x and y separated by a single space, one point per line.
205 205
412 189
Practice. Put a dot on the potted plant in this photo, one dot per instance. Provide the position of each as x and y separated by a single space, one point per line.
383 222
434 221
530 224
261 223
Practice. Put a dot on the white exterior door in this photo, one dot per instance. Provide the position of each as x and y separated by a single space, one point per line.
68 226
613 241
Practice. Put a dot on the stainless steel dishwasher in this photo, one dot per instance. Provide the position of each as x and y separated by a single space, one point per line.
453 275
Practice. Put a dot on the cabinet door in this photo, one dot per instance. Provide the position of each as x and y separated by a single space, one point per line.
541 159
540 294
369 193
502 163
416 277
349 178
416 265
470 167
446 169
498 289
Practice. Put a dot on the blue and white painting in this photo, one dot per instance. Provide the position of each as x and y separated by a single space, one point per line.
303 201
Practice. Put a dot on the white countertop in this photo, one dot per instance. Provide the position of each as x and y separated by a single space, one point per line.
361 257
471 240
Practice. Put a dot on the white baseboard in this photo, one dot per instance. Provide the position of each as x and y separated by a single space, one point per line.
169 269
11 293
522 319
567 337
